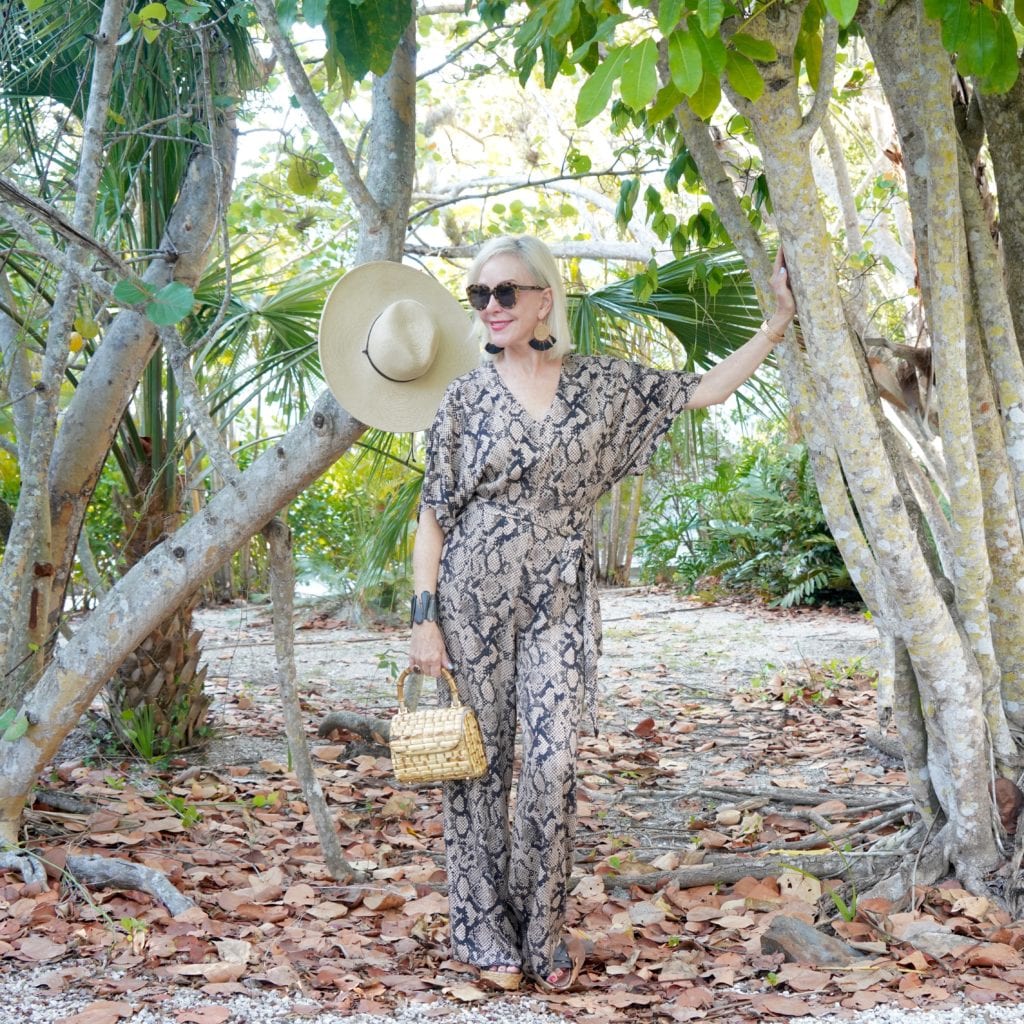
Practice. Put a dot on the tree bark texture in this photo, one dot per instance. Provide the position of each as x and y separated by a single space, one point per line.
1003 115
114 369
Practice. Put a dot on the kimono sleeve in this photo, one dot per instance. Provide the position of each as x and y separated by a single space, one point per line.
444 471
649 401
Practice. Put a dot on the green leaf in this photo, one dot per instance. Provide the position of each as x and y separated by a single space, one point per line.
842 10
939 8
710 14
704 102
639 80
193 13
86 327
172 303
363 34
812 55
287 13
956 24
684 61
16 729
578 163
1018 10
314 12
629 191
129 293
755 49
670 14
668 98
712 49
597 90
303 176
979 47
33 5
1005 68
8 716
150 33
744 77
153 12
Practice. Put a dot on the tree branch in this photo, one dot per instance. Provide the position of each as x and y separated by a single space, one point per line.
624 251
198 414
282 589
315 113
65 259
487 188
826 76
31 537
57 222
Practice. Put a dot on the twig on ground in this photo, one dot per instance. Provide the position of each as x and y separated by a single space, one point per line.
806 796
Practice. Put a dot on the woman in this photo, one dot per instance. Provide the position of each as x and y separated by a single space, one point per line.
520 450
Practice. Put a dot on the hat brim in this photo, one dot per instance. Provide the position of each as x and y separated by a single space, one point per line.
352 306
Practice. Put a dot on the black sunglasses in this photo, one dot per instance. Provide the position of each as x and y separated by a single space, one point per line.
507 293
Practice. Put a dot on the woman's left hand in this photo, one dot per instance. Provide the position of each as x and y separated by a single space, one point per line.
785 302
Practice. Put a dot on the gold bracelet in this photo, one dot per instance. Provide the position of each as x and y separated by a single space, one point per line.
773 336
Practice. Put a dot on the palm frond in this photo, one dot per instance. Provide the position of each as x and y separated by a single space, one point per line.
706 301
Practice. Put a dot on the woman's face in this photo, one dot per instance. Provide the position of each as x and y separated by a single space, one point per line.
512 327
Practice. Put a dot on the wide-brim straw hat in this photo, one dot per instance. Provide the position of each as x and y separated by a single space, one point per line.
391 340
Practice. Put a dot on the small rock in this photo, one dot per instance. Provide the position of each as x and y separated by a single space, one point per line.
802 944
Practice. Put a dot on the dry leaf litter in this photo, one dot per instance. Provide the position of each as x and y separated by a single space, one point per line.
728 732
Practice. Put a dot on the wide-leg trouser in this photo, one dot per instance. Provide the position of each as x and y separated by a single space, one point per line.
517 659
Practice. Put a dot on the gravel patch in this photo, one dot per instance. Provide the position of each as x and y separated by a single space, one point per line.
24 999
954 1015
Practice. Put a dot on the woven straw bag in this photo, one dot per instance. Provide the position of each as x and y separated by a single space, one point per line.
436 745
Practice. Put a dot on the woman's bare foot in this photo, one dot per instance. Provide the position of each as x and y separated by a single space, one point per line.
506 977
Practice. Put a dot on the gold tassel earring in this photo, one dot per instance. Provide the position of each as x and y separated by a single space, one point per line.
542 340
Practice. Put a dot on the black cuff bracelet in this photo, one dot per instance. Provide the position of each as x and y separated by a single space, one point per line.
424 608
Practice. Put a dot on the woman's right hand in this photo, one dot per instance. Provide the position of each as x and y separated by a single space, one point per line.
426 649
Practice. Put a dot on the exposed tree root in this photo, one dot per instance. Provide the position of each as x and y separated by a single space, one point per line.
812 797
833 836
23 863
374 730
888 745
100 873
112 873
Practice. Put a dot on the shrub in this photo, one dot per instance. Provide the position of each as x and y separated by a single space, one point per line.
754 524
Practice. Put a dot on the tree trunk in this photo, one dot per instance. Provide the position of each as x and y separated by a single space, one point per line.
109 381
947 674
29 567
1003 114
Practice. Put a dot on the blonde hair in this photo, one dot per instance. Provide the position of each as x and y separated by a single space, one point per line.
536 257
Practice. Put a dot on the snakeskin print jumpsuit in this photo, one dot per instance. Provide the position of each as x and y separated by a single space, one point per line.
518 611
